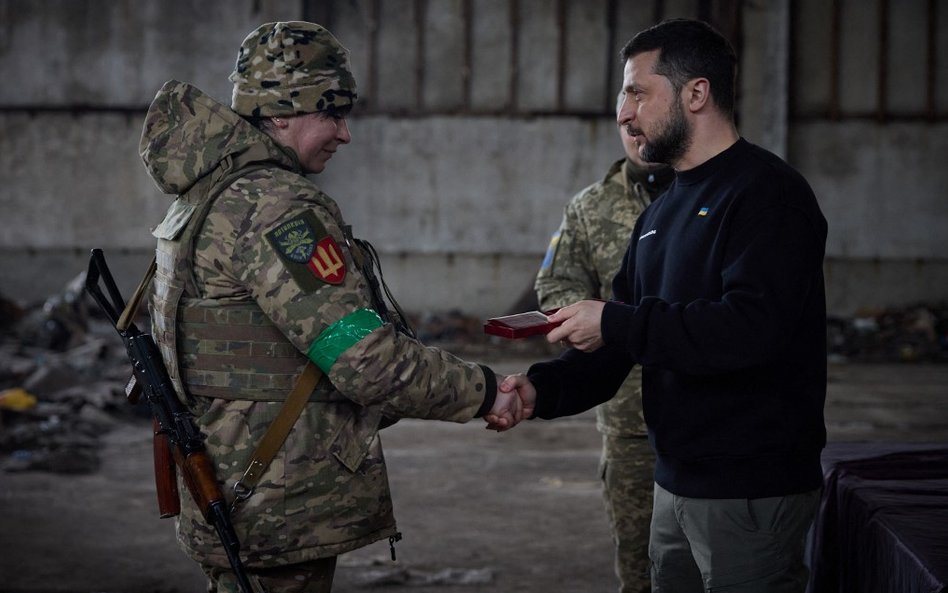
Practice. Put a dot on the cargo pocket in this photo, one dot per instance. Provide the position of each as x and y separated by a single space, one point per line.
351 443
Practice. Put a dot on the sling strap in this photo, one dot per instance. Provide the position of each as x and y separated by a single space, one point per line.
276 434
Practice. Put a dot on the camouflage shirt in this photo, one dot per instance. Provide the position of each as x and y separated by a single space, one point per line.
273 246
585 254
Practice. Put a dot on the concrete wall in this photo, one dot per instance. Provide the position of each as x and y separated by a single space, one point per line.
463 156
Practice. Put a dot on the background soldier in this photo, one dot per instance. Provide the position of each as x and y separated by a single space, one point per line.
259 278
584 255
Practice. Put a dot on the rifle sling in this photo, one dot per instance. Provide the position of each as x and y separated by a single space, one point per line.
277 432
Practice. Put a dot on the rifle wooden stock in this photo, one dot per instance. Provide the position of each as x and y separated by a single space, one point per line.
166 479
198 474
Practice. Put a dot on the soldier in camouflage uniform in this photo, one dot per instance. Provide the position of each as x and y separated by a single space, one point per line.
583 256
258 275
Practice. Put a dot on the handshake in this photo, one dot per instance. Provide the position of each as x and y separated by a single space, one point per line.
516 400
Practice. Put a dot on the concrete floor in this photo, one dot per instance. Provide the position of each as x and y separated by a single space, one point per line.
514 512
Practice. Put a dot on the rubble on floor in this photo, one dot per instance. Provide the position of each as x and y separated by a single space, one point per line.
62 376
63 368
913 333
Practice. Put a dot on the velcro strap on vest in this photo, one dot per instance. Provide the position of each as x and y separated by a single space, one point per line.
235 352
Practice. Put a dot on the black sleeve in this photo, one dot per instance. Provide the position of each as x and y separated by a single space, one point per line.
490 391
578 381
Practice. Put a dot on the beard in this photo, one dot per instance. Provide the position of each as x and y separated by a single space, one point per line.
671 141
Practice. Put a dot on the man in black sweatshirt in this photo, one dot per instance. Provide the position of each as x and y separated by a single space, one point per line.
721 300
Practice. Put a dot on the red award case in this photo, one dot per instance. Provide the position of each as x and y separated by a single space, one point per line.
520 325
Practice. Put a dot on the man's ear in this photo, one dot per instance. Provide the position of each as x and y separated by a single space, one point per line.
697 94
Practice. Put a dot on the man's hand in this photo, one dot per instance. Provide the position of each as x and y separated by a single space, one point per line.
515 391
581 326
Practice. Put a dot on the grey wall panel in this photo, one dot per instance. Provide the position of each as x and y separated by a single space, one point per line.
466 184
884 189
74 181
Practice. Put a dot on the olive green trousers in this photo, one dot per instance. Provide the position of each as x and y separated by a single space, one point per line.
730 545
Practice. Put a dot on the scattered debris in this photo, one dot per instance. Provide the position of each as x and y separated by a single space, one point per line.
17 399
915 333
69 363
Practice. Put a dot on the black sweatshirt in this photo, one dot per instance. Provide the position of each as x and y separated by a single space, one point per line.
721 299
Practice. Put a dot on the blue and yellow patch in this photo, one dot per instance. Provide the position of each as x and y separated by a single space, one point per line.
703 212
550 251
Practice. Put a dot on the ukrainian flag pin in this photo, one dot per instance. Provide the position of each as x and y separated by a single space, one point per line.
703 211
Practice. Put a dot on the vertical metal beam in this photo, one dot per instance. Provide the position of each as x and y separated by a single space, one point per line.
792 105
658 10
372 87
421 13
725 16
513 102
319 12
561 53
834 109
882 90
704 11
931 64
467 14
612 15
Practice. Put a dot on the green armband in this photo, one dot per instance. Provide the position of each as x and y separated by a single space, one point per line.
338 337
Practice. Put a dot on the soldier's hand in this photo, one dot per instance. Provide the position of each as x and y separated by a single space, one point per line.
580 326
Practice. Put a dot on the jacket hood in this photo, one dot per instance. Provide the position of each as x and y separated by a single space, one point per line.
187 134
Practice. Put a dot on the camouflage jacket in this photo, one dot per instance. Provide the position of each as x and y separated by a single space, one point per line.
584 255
274 251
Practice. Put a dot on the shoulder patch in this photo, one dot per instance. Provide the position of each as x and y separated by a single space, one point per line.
551 252
309 252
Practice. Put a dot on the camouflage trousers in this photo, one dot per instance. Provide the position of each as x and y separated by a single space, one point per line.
314 576
627 470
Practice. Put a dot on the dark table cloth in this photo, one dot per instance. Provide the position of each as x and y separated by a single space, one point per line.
882 525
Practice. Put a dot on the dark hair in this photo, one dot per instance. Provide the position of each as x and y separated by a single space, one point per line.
690 49
261 122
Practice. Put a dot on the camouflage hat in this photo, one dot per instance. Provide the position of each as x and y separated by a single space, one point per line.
290 68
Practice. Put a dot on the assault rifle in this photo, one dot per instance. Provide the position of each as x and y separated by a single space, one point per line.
175 431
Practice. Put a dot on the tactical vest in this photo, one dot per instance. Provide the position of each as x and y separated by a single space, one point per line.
212 348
